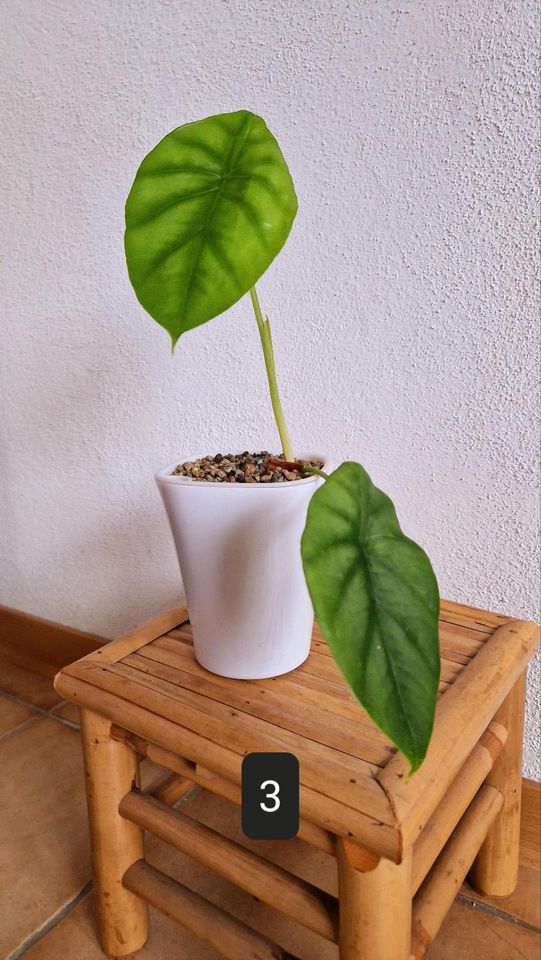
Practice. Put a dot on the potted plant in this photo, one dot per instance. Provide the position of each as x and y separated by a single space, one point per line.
261 538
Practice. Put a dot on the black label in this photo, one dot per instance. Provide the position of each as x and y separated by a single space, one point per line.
270 796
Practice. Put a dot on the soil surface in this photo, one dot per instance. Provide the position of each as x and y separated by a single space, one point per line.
246 467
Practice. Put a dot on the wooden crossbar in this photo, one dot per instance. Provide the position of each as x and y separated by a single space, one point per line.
169 787
266 881
232 939
456 801
442 884
310 832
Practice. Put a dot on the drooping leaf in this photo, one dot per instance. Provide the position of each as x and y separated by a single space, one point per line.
376 598
210 207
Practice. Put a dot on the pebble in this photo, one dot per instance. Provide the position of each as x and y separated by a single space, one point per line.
238 468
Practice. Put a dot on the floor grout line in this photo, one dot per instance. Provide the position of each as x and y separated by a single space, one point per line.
67 723
19 727
41 711
24 703
192 792
63 912
495 912
49 924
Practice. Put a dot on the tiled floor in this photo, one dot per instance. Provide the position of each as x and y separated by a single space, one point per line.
46 908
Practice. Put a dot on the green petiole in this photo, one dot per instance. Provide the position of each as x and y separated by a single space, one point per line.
263 326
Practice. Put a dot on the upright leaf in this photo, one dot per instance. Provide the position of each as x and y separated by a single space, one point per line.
376 599
210 207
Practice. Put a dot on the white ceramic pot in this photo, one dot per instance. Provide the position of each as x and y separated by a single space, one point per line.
239 552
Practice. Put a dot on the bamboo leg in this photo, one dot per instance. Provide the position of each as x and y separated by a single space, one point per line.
375 905
495 871
110 771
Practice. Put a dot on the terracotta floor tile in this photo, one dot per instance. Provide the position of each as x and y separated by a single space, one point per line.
68 711
464 936
12 714
44 850
75 937
31 687
470 934
524 903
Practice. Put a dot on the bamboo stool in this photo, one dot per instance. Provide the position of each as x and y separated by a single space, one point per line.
403 845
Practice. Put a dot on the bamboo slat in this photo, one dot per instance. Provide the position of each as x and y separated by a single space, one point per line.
326 678
455 656
456 801
232 939
295 687
465 636
442 884
266 881
462 638
329 772
302 688
320 725
309 832
279 690
134 639
461 717
472 616
327 812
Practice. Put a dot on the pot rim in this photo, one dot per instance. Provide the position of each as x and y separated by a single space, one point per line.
164 475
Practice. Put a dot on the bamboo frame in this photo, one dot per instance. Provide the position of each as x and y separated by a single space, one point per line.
397 838
232 939
327 812
442 884
326 771
495 871
110 769
266 881
309 832
456 801
462 714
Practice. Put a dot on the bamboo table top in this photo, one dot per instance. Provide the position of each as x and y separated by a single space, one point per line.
352 780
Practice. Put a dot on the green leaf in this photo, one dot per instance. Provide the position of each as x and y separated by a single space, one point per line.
376 598
210 207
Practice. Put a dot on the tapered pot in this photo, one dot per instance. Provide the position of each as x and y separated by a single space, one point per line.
239 552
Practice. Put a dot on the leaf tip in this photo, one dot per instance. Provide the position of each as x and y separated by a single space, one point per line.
415 763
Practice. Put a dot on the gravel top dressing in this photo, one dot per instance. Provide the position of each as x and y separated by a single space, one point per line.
244 467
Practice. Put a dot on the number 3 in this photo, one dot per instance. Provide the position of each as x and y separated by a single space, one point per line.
273 795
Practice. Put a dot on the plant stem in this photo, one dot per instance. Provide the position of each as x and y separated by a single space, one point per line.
318 473
263 326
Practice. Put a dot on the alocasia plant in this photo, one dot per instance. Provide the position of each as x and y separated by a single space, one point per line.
210 207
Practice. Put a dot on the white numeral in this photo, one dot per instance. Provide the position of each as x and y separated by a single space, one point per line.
273 795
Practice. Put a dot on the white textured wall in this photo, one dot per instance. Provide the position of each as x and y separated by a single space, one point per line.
404 303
